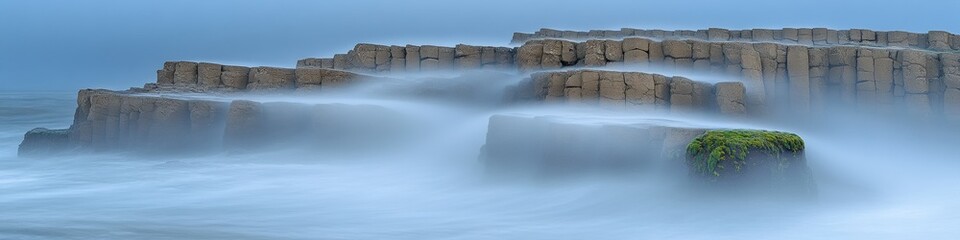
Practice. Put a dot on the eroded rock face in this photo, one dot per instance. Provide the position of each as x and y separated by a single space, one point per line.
42 141
751 160
553 146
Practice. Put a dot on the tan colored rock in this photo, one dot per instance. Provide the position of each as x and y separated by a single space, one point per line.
467 57
235 76
642 44
938 40
208 74
805 36
613 51
612 89
263 78
446 58
165 75
568 53
640 89
590 89
762 35
914 72
398 59
677 49
185 73
382 58
529 56
365 56
656 53
718 34
488 56
244 124
412 58
798 68
731 97
428 51
552 49
595 53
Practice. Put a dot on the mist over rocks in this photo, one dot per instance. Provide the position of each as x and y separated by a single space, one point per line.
790 75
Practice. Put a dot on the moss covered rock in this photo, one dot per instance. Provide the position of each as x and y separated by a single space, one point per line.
765 159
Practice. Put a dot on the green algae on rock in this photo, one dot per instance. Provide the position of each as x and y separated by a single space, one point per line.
714 153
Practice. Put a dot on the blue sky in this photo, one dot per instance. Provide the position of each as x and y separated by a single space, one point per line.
66 45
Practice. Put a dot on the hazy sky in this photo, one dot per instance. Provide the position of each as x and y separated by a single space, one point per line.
71 44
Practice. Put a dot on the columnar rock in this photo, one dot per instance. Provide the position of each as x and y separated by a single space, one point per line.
612 90
915 81
798 67
551 57
382 58
938 40
263 78
208 74
185 73
613 50
730 97
883 67
843 72
165 75
595 55
529 56
467 57
398 59
866 84
640 91
446 59
413 58
951 80
244 124
636 50
819 70
235 76
365 56
429 58
752 72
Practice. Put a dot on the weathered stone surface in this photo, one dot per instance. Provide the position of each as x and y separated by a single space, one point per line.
245 123
529 56
398 59
235 76
447 58
677 49
718 34
551 59
209 74
42 141
590 89
467 57
412 58
382 58
594 53
428 51
613 51
366 56
612 89
185 73
263 78
730 97
568 53
165 75
639 90
938 40
914 72
798 68
656 52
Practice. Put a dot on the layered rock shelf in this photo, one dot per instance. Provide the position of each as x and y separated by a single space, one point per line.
722 74
638 91
932 40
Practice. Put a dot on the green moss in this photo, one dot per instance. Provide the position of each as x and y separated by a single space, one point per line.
710 151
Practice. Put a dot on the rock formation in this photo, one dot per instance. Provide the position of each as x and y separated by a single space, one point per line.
801 73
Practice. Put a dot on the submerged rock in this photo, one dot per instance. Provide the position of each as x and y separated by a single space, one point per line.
40 141
766 161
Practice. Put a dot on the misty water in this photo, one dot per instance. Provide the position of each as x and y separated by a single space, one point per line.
877 179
